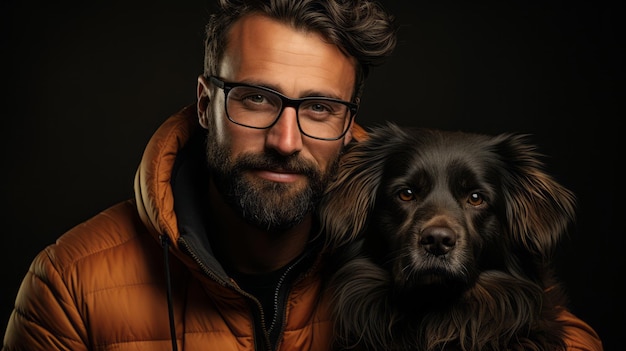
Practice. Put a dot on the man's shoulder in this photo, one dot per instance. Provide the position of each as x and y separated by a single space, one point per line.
116 233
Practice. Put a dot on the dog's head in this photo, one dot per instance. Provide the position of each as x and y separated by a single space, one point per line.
439 207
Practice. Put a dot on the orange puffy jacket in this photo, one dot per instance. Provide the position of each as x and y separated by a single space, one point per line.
136 277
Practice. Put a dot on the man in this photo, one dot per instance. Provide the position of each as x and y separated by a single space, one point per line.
220 248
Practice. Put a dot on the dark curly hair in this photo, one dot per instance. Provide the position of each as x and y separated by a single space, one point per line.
360 28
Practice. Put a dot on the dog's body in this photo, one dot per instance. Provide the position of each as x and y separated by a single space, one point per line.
451 236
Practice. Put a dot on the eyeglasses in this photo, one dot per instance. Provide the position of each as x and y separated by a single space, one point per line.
258 107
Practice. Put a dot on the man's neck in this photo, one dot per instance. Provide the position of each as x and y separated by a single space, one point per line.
245 248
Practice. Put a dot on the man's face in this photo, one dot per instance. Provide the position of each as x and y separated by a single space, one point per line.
273 177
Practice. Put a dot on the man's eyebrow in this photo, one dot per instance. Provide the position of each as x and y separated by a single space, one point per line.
306 93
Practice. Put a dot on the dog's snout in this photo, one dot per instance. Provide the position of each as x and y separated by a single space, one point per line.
438 240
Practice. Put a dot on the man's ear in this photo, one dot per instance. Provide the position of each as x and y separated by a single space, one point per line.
203 101
348 137
349 134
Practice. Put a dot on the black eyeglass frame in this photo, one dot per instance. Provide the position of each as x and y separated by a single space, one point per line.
286 102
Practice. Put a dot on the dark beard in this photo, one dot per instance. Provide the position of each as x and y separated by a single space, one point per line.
267 205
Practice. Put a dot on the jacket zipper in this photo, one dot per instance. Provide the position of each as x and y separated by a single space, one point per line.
266 339
277 301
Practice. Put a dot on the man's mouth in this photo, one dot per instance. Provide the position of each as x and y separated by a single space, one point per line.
278 175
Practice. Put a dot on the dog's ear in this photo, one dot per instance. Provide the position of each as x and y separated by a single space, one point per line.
539 209
345 207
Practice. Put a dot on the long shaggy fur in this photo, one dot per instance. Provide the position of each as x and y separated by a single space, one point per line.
448 239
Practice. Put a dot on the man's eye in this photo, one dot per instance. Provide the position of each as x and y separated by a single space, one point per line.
257 98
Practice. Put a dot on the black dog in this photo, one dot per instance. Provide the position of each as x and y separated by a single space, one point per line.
453 235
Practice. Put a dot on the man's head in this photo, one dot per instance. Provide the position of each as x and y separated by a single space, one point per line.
273 169
362 29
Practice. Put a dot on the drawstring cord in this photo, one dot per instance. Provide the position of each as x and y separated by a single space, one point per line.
170 305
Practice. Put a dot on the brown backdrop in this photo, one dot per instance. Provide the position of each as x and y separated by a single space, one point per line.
84 86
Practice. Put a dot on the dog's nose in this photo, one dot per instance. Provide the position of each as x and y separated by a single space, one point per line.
438 240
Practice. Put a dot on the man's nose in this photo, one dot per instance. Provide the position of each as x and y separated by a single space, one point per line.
284 136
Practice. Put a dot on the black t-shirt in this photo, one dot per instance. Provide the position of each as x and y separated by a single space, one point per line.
271 289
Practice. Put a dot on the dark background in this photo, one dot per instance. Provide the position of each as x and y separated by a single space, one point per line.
84 87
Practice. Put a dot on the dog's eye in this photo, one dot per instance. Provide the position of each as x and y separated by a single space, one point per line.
475 199
406 194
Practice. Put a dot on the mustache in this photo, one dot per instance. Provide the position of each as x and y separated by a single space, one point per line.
273 160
